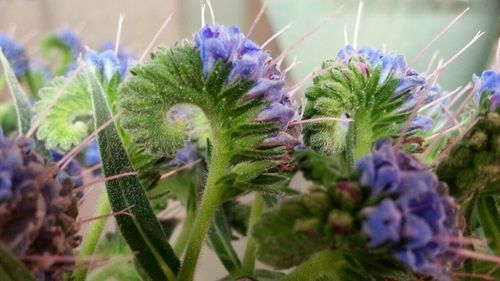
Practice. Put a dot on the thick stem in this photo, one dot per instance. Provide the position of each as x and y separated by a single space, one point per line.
187 226
325 263
209 203
248 266
93 234
363 135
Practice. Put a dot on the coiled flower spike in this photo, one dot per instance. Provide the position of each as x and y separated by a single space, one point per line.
376 90
15 55
37 211
232 80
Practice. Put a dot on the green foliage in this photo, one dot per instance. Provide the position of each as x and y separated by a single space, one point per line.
174 77
142 230
8 119
473 163
489 216
345 91
11 269
290 232
52 48
69 120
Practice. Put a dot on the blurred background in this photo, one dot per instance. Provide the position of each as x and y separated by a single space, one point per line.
403 26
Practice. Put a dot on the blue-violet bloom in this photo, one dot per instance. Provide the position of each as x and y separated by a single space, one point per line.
15 54
489 83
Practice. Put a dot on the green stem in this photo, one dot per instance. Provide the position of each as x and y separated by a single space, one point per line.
187 226
325 263
363 135
209 203
93 234
248 266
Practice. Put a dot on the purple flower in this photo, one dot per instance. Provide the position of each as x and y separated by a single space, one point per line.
71 40
489 83
73 171
416 216
184 156
91 155
106 63
15 54
227 45
125 58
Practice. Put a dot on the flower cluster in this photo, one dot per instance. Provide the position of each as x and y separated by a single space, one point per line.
415 218
488 83
125 58
395 66
106 63
15 54
71 40
228 45
37 211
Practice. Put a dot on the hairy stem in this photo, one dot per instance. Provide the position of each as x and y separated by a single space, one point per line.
93 234
363 135
209 203
248 266
187 226
324 264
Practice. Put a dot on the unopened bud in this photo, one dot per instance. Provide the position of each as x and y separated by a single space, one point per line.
341 222
308 226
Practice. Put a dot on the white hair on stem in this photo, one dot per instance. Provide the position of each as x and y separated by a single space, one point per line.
437 37
119 32
346 36
153 41
356 26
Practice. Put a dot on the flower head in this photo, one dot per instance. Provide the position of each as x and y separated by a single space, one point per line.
488 83
394 66
15 54
71 40
227 45
415 217
125 58
37 211
106 63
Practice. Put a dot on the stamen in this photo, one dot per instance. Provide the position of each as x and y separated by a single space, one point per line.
114 214
181 168
437 37
119 32
431 61
475 255
319 120
150 45
211 10
91 169
448 62
292 65
474 276
51 105
202 14
356 27
462 240
346 38
458 126
101 180
497 59
257 19
275 35
330 17
439 99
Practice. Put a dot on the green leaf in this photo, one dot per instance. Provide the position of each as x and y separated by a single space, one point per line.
21 101
11 269
489 217
142 231
49 47
219 239
278 242
69 120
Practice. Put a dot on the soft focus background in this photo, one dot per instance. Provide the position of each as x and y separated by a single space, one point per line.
403 26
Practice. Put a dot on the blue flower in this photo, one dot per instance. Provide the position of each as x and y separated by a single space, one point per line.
15 54
91 155
73 170
227 45
184 156
106 63
416 215
71 40
489 83
125 58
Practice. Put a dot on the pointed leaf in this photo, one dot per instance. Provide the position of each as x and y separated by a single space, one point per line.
142 231
490 221
11 269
